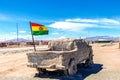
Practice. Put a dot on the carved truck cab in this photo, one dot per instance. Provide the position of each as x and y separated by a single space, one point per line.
63 54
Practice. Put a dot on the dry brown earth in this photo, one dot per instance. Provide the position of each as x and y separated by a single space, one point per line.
106 67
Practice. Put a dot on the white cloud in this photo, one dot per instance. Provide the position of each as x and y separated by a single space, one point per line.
79 24
13 32
22 31
109 21
25 36
12 18
10 36
70 26
18 18
62 37
55 33
82 20
101 20
5 17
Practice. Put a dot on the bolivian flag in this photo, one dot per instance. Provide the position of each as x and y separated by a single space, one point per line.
38 29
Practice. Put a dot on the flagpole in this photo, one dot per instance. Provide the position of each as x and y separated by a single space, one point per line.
32 38
119 42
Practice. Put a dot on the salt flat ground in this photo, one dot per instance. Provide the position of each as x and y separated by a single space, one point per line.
106 58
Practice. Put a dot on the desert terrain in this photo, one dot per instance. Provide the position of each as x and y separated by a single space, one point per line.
13 65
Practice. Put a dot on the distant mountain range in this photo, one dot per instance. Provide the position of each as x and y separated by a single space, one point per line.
102 38
88 38
15 40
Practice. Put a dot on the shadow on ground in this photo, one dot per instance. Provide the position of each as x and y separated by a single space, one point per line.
81 74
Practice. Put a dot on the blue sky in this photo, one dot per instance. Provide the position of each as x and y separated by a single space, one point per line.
64 18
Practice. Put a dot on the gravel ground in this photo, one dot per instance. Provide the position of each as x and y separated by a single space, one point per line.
19 49
105 75
106 67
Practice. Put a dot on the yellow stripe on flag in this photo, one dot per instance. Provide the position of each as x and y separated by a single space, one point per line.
39 28
35 28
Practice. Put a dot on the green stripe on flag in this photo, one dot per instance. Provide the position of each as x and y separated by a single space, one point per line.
40 32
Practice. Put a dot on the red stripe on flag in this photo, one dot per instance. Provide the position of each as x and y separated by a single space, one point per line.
35 24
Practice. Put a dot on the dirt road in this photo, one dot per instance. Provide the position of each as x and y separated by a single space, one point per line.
106 67
108 56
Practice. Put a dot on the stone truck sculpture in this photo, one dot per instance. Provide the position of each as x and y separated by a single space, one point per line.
62 54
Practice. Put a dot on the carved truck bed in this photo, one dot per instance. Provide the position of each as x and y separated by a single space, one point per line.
63 54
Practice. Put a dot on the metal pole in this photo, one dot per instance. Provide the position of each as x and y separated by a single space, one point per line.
119 42
32 38
17 33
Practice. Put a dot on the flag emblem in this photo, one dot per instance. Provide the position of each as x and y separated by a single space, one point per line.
38 29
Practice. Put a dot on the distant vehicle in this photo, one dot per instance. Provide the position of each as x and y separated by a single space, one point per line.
63 54
3 45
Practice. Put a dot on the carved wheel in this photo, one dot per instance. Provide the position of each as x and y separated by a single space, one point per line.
89 62
40 70
72 68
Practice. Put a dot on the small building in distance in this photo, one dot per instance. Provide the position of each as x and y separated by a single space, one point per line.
44 42
3 44
30 42
103 41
